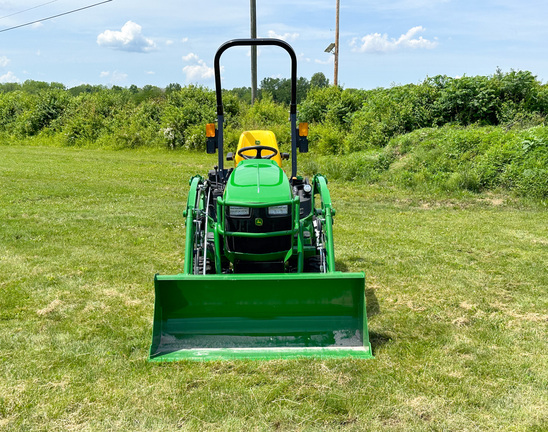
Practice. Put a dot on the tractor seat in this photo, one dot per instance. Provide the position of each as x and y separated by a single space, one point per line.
256 138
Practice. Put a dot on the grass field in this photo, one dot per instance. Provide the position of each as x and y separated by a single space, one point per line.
457 291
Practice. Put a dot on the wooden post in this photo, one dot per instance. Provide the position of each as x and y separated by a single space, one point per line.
253 6
336 71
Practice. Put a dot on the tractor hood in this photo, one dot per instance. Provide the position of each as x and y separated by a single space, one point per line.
257 181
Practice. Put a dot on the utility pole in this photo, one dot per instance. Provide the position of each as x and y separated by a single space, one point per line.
253 6
336 71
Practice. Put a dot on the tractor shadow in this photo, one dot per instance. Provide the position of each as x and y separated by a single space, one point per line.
377 340
372 303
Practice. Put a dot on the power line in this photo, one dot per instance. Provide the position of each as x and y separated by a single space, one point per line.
54 16
26 10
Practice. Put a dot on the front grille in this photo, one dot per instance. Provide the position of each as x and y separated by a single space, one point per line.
252 224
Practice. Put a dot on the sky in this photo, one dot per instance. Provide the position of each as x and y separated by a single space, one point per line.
382 43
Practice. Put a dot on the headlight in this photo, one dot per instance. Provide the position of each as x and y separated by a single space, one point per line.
235 211
281 210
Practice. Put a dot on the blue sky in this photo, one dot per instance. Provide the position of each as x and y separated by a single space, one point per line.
158 42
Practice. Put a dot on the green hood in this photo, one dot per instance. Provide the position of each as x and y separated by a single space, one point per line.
257 181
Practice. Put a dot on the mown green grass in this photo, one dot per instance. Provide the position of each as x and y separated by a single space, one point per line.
457 307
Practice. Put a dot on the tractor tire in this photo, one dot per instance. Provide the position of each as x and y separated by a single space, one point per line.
312 265
210 268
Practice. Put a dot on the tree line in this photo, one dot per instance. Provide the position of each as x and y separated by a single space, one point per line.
343 121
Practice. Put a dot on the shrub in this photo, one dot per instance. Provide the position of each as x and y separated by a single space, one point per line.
264 114
469 133
381 118
92 115
473 158
533 183
185 110
367 165
325 139
316 105
12 107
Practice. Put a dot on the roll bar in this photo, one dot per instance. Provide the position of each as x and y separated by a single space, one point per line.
292 106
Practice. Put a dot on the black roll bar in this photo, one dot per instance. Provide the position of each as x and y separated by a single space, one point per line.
292 105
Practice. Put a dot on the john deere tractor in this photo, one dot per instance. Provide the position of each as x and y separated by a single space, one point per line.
259 278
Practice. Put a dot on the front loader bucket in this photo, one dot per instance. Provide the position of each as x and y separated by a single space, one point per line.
260 316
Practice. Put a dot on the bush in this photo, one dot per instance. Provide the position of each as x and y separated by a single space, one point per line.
382 117
264 114
185 111
325 139
367 165
139 127
473 158
533 183
451 159
317 103
470 133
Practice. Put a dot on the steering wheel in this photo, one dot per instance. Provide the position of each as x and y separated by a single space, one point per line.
258 149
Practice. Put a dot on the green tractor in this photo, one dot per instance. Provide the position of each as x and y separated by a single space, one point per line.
259 277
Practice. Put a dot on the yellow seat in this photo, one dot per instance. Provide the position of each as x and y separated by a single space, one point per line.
255 138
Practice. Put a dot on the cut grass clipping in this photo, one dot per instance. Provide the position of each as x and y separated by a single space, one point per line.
456 289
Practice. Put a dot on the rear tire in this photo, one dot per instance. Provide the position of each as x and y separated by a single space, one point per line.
313 265
209 266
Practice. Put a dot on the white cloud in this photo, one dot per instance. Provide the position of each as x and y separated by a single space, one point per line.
199 71
184 40
330 60
129 38
4 61
286 36
377 43
303 58
9 78
190 57
114 77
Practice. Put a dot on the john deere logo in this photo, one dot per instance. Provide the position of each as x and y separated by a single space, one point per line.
258 222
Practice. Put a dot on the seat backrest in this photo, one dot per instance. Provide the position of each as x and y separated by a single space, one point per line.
254 138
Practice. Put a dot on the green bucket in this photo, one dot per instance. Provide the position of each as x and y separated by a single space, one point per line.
259 316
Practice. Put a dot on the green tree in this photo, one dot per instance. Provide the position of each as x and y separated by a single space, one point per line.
280 89
319 80
185 114
173 87
242 93
9 87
